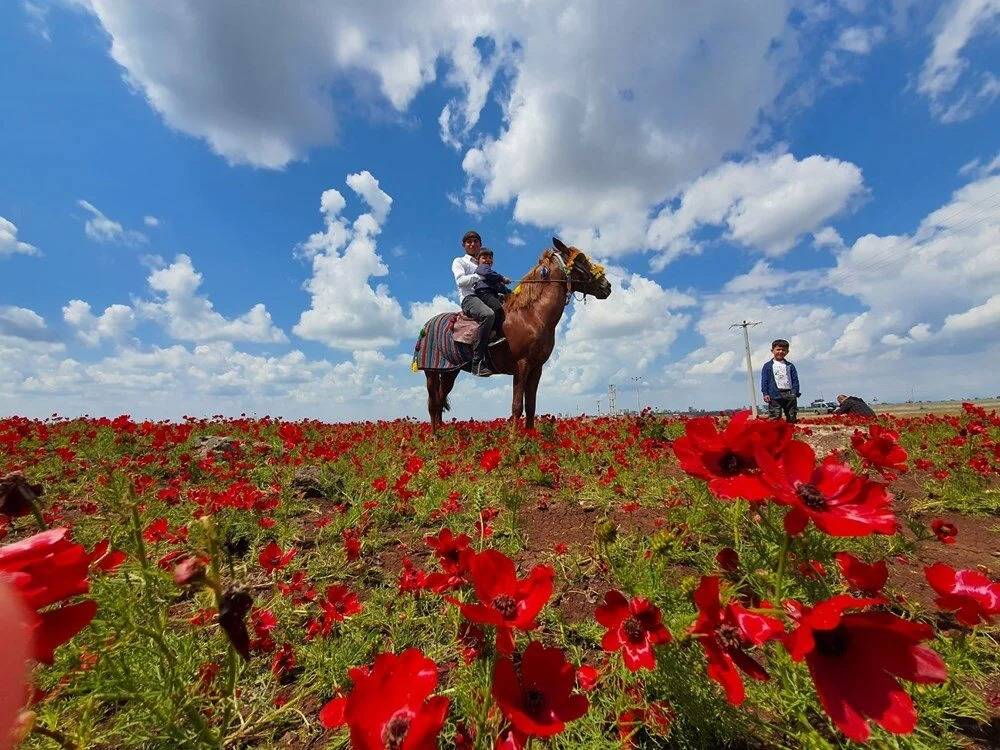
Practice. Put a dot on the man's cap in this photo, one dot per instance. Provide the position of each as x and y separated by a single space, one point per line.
472 234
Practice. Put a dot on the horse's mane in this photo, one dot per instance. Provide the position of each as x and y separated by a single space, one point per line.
528 293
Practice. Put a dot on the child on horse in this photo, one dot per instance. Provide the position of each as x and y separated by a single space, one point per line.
492 289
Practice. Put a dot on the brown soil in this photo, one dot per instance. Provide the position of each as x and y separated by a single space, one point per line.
824 439
976 546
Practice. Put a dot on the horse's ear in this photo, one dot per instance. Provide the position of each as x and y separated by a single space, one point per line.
558 245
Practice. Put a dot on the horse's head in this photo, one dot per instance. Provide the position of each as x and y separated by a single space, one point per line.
584 276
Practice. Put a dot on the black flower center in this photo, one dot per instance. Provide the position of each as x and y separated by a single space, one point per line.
634 630
810 496
832 642
729 636
394 732
731 464
534 701
506 606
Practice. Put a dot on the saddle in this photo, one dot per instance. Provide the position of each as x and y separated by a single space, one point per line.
465 330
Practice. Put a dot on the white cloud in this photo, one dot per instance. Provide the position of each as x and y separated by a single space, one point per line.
112 324
22 323
722 364
958 22
767 203
979 168
102 229
985 316
188 316
616 338
515 240
764 278
10 244
150 221
860 40
346 312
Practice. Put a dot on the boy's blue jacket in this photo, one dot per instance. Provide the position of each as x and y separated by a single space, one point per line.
770 388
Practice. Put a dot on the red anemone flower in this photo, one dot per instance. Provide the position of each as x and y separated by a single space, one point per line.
505 600
449 549
725 633
538 699
727 460
880 448
390 707
969 593
837 500
944 531
860 575
490 459
47 569
855 659
271 558
634 626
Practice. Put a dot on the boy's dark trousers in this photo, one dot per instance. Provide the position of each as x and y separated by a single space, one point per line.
493 301
786 403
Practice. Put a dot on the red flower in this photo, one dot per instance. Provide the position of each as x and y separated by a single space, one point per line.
283 664
390 706
413 464
860 575
728 560
970 594
634 626
838 501
728 460
505 600
47 569
587 677
944 531
352 544
538 699
272 558
380 484
490 459
449 549
105 559
725 633
339 604
880 448
855 659
658 716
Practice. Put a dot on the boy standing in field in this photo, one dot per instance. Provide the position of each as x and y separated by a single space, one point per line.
779 383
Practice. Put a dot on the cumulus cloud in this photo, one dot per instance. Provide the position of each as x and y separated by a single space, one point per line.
766 204
189 316
859 40
23 323
100 228
953 91
346 311
616 338
10 244
150 221
112 324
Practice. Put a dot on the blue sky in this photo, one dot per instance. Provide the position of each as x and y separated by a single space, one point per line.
829 168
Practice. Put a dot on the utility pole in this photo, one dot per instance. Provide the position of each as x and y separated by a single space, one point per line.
746 326
611 399
638 406
598 407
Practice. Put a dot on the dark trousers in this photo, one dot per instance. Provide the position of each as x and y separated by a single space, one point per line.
786 403
477 309
495 303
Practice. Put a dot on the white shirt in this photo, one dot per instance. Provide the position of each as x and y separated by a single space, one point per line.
464 269
781 378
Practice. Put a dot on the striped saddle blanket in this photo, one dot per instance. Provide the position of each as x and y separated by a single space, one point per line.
436 347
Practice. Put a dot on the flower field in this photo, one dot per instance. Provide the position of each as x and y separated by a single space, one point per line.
597 583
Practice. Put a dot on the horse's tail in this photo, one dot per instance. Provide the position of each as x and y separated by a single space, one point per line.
445 406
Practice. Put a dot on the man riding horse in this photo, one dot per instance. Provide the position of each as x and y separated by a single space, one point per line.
464 269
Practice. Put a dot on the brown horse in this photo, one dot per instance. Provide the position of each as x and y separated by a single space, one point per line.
530 319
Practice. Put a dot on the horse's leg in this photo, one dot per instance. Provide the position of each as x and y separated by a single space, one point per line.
447 383
517 403
433 402
530 391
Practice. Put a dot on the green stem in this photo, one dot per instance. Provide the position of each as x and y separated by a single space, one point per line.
37 513
233 670
781 568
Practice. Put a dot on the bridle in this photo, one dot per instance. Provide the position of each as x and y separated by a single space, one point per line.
597 271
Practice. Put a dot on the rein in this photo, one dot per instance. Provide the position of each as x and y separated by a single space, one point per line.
566 268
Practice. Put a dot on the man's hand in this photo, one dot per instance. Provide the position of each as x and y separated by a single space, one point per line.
767 399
